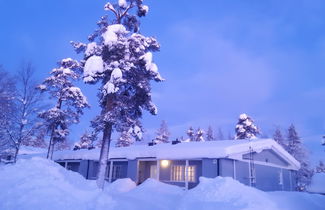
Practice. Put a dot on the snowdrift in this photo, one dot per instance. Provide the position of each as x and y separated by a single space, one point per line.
38 183
317 183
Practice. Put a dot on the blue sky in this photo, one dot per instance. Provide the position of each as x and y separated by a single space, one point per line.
220 58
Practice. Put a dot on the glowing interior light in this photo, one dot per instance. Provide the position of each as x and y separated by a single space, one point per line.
164 163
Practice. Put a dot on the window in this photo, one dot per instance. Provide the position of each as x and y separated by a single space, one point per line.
178 173
191 173
116 172
62 164
93 172
73 166
153 171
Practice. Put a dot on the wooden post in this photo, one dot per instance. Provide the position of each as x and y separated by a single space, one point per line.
110 172
186 174
158 169
234 161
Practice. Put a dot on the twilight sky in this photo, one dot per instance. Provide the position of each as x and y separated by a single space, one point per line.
220 58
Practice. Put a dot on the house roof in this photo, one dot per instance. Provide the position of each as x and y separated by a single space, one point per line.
188 150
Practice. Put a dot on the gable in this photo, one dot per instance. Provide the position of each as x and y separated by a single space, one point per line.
267 156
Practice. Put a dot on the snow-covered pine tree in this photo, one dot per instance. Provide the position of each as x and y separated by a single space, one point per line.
320 168
120 58
86 141
199 135
190 133
162 133
297 150
245 128
125 139
69 100
278 137
209 134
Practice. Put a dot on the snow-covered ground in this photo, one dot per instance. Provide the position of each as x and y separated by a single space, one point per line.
38 183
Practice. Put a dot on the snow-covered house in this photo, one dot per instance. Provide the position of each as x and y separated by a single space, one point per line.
261 163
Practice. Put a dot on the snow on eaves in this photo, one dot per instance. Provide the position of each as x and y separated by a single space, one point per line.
189 150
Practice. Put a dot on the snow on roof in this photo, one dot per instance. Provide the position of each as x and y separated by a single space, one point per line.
189 150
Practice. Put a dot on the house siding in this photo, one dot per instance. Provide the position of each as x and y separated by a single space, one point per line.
268 178
226 168
268 156
210 167
132 170
242 172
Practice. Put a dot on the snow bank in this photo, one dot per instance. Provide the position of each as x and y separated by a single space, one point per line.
150 195
317 183
38 183
226 193
120 186
298 200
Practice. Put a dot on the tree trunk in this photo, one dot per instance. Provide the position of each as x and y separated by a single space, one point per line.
48 156
51 150
103 159
16 152
48 149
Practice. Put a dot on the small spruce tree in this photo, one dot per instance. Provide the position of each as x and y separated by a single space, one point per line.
162 133
245 128
190 133
199 135
209 134
297 150
86 141
278 137
125 139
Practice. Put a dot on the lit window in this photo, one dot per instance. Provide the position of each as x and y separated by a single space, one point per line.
178 173
191 173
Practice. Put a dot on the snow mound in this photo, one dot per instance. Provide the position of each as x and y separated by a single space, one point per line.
317 183
120 186
39 183
226 193
150 195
